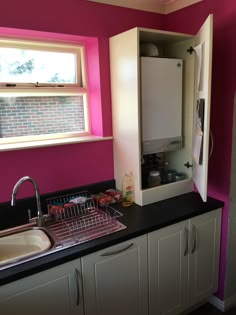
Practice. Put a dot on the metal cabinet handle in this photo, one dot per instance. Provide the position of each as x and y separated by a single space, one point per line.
118 251
77 286
186 240
194 230
212 145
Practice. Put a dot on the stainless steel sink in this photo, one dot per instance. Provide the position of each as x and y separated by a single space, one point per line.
21 243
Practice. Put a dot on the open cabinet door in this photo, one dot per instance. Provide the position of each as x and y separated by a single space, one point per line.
201 125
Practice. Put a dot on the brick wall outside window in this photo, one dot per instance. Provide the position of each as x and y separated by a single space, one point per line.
23 116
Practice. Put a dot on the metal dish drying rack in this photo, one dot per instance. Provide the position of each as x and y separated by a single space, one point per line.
81 222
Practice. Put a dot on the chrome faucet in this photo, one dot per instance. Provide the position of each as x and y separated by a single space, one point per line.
40 219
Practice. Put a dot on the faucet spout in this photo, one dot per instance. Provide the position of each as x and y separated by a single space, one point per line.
37 195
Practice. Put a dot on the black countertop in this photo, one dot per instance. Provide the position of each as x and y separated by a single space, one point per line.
139 220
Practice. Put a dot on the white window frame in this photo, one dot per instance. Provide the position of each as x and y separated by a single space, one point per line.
49 89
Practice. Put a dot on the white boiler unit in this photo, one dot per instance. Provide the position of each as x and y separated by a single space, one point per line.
161 95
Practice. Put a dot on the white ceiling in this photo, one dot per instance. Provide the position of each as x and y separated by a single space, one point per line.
156 6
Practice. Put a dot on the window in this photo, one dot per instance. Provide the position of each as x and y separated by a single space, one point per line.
43 91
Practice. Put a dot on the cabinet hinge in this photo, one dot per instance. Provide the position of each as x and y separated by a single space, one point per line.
190 50
188 165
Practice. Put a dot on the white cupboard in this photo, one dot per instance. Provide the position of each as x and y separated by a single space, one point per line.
126 86
183 263
168 265
204 254
115 279
55 291
163 272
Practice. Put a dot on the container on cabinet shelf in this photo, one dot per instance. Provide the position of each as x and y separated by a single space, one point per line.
154 179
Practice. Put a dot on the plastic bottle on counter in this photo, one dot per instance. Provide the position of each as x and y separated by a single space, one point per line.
128 190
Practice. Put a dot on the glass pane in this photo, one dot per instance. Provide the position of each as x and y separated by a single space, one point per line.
37 115
31 66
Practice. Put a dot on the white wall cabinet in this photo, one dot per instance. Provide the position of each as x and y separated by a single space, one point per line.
183 263
115 279
127 109
54 291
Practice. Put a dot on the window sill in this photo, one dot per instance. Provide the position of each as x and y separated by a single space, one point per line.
49 143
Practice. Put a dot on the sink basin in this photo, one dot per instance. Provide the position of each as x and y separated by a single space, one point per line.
23 244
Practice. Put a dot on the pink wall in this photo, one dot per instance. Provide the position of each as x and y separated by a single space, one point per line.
68 166
57 167
223 90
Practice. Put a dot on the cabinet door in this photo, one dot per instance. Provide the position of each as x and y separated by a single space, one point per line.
203 92
168 269
115 279
204 255
54 291
124 67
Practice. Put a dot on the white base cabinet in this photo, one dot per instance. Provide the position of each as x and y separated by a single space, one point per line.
164 272
115 279
168 265
183 263
54 291
204 255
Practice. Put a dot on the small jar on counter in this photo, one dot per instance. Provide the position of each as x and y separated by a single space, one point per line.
154 179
